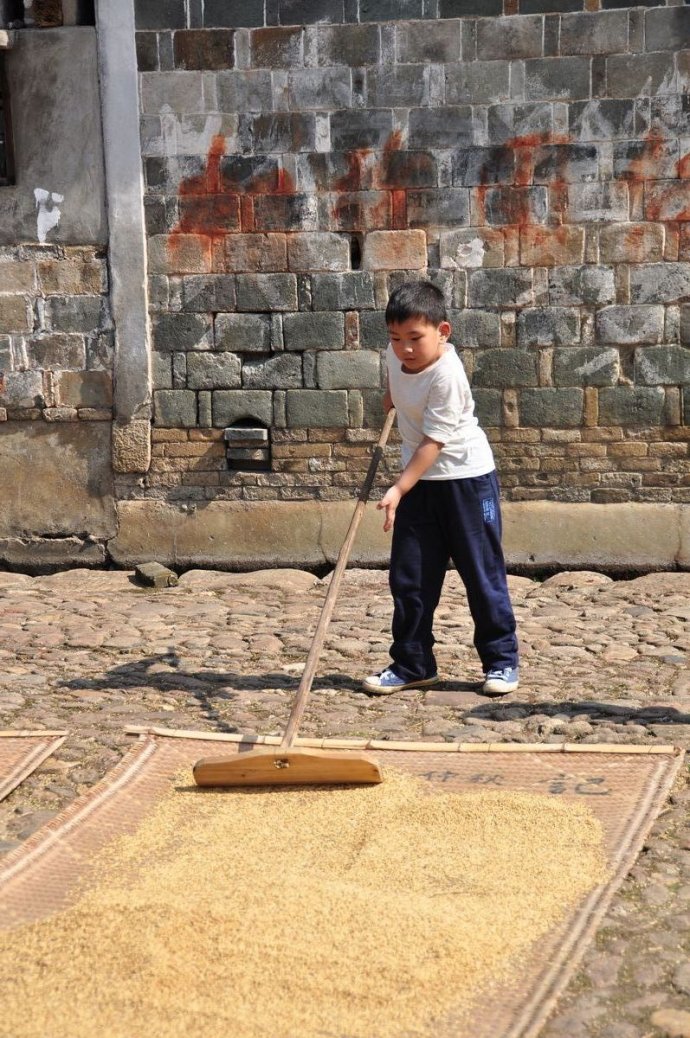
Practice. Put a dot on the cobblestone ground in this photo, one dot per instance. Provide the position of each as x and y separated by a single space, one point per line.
603 661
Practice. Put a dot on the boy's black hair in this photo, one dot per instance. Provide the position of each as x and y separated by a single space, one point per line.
416 299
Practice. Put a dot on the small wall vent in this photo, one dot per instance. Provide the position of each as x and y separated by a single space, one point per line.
248 446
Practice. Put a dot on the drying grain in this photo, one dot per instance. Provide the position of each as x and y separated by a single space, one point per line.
298 913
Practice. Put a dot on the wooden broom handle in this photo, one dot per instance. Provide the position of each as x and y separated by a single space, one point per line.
305 684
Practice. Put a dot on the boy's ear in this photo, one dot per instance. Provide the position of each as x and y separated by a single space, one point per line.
444 329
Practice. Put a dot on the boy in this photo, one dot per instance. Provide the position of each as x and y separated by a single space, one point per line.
445 503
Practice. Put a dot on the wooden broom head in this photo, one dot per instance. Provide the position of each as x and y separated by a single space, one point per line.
290 767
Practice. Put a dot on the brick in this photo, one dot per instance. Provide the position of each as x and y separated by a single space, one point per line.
667 200
207 293
639 75
447 126
496 368
316 408
75 313
597 33
181 92
182 332
21 389
394 250
626 405
56 351
438 208
213 371
630 325
15 314
589 203
204 49
548 326
276 47
499 206
254 252
499 288
516 124
601 120
179 254
320 88
318 251
581 285
360 129
160 14
473 247
559 408
353 369
271 132
585 366
472 167
244 90
662 365
351 291
231 406
407 169
243 333
174 408
667 29
477 82
397 86
257 292
551 246
557 79
632 243
509 38
435 43
282 371
660 283
314 331
84 388
356 45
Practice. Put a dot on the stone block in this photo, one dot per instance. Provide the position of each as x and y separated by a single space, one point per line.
181 332
243 333
471 247
21 389
602 32
356 45
429 42
554 79
320 88
389 10
270 132
438 208
516 124
179 254
628 405
373 333
254 252
207 293
325 408
477 82
557 164
548 326
350 369
256 292
160 14
474 328
84 389
281 371
662 366
180 92
585 366
667 29
324 330
660 282
277 47
407 169
174 408
488 407
449 126
667 199
353 130
153 574
17 276
75 313
397 86
601 120
509 38
474 167
161 370
630 325
204 49
244 90
668 116
213 371
581 285
551 246
350 291
645 160
254 174
232 405
501 206
357 211
465 8
147 51
56 351
632 243
394 250
318 251
497 368
500 287
286 212
589 203
245 13
79 271
15 314
551 408
640 75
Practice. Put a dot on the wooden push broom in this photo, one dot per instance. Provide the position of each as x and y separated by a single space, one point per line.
285 764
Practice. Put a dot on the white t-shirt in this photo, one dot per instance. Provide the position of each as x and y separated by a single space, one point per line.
437 402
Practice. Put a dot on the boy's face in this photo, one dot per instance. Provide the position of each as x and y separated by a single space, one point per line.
416 343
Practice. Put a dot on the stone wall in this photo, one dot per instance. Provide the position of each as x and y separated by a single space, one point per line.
531 162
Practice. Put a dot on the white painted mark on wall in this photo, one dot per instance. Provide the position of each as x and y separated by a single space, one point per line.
48 213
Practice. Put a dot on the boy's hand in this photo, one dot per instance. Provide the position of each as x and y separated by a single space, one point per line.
389 502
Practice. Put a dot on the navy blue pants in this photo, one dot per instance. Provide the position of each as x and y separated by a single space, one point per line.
436 521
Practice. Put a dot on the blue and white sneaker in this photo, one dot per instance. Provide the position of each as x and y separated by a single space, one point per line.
388 681
500 680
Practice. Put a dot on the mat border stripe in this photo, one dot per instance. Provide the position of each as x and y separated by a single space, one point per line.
48 744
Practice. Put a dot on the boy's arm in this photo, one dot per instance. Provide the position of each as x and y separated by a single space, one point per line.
422 459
